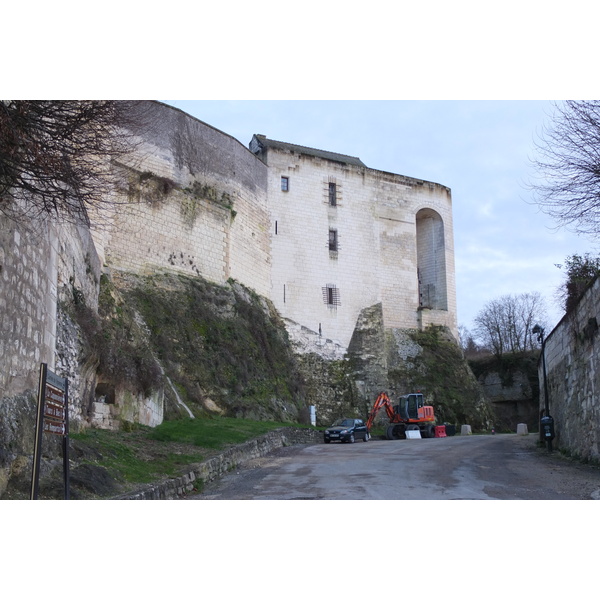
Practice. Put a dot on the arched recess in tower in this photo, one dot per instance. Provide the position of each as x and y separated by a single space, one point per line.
431 260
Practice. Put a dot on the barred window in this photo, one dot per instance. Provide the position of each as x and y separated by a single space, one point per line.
331 295
332 194
333 240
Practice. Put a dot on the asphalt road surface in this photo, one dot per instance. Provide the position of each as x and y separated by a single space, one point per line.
476 467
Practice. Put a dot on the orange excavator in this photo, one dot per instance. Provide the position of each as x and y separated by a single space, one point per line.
410 413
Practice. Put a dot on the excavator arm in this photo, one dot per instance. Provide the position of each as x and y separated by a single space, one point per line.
382 401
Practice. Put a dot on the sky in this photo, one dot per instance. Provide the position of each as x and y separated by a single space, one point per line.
481 149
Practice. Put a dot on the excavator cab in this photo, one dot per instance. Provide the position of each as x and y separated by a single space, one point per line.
409 406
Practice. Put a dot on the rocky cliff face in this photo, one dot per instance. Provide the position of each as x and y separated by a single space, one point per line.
401 361
206 348
510 385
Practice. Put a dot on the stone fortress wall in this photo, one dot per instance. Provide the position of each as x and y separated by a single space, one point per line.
39 264
195 200
192 199
28 294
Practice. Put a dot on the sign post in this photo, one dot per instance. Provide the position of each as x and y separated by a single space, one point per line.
53 418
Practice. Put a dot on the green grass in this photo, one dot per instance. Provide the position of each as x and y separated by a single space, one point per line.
214 433
133 457
134 469
147 454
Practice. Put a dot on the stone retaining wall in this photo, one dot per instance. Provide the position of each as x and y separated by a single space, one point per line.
573 370
228 460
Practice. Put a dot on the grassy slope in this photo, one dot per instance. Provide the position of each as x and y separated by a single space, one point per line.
169 450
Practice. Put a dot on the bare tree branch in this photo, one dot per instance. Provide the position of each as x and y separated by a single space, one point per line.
56 157
568 165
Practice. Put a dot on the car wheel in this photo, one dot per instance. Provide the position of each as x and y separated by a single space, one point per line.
327 441
366 438
351 440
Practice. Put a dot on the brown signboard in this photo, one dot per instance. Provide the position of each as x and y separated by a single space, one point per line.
54 413
54 427
54 395
53 418
54 406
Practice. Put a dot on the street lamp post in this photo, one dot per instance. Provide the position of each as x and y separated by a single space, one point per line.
546 422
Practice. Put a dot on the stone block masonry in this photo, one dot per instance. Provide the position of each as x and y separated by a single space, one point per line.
573 370
336 238
392 238
28 295
193 200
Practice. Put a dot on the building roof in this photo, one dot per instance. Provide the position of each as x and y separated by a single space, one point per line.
264 142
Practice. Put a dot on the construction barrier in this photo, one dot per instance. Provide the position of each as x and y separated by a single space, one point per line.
440 431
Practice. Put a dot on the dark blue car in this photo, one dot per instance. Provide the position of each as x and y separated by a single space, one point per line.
347 430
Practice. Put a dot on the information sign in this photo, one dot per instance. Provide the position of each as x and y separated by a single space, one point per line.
53 418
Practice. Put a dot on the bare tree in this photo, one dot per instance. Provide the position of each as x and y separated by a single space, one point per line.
504 325
55 156
468 344
568 165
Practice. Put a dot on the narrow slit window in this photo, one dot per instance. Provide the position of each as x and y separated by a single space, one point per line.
285 184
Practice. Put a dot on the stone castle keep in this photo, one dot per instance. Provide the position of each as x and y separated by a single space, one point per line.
320 234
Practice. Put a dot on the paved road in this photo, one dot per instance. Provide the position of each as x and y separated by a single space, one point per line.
453 468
